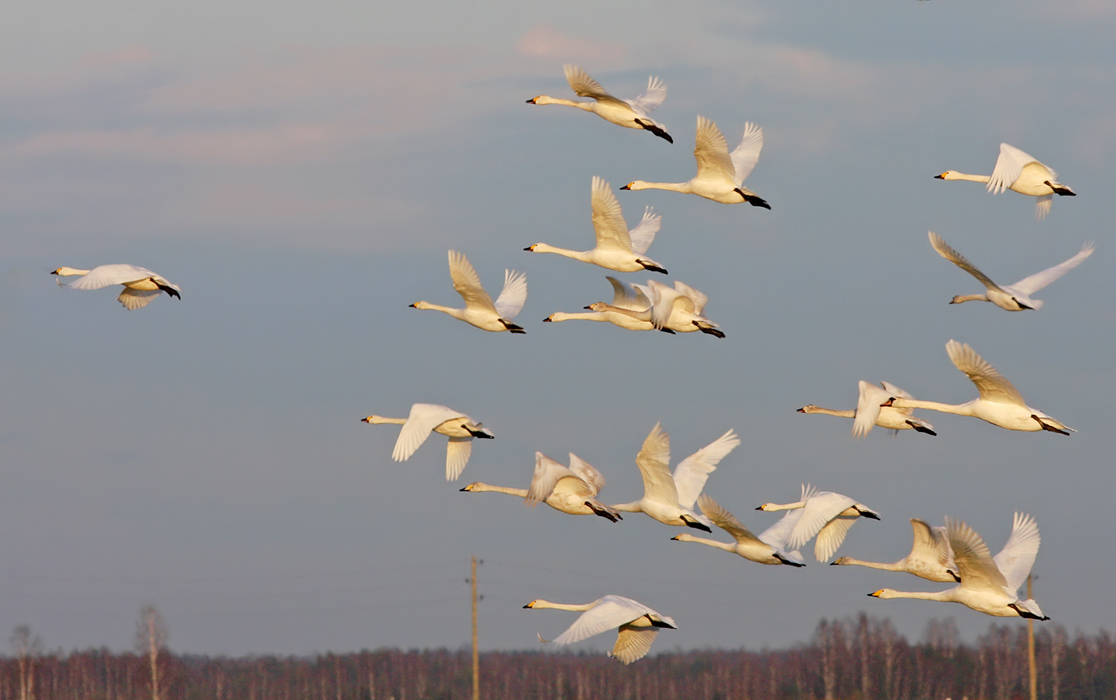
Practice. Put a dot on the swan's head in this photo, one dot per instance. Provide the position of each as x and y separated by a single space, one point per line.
837 562
766 507
373 420
890 402
635 185
597 306
532 604
885 593
540 100
808 408
67 271
531 248
948 175
419 305
471 486
684 537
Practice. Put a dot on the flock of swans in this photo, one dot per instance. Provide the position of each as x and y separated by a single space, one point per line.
952 553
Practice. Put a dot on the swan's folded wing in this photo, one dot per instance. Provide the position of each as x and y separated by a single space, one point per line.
633 643
609 613
651 98
653 461
745 156
974 562
608 219
698 299
593 479
644 233
868 408
583 85
1018 556
628 297
424 417
777 535
992 385
960 260
1008 167
831 537
467 283
725 520
108 275
691 473
711 152
1030 285
513 296
547 474
133 299
820 508
457 456
931 544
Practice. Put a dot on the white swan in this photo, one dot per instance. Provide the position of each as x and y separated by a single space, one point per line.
480 310
624 299
999 403
988 585
630 113
670 498
720 175
638 624
1012 297
769 547
679 309
428 417
570 489
1019 172
825 514
869 412
140 284
617 248
930 558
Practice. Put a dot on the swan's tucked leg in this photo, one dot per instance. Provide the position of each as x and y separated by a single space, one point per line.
512 327
610 514
690 522
786 561
711 331
655 130
650 266
1047 426
753 200
921 428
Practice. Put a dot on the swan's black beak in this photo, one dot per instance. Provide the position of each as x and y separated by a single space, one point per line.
940 177
626 187
800 410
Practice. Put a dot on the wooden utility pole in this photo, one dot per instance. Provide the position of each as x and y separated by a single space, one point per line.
1030 644
476 657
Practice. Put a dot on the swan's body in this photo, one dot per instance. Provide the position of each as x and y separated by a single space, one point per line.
720 174
617 248
930 558
869 412
670 498
638 624
769 547
679 309
480 310
1011 297
624 299
825 514
426 418
140 284
988 585
1000 403
1019 172
630 113
570 489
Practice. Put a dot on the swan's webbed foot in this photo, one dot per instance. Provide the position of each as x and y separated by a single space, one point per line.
1023 612
611 515
513 328
651 267
1048 427
1060 189
660 623
868 514
953 573
1022 305
661 133
788 562
753 199
169 290
710 330
921 428
690 522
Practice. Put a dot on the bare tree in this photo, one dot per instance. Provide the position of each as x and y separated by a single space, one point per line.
151 640
27 648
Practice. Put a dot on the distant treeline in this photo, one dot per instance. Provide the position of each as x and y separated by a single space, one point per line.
855 659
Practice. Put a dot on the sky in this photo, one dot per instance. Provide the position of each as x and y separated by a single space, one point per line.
301 170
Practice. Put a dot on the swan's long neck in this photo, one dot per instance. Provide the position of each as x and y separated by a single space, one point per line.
633 507
378 420
456 313
581 316
768 507
70 271
948 595
847 413
479 487
954 175
548 100
961 298
537 604
575 254
897 566
686 537
964 409
683 187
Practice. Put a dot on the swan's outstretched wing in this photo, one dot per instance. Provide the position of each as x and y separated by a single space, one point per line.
868 408
974 563
725 520
108 275
698 298
626 297
424 418
651 98
960 261
1018 556
608 613
821 507
1037 281
547 474
468 284
593 479
653 461
633 643
990 383
711 152
745 156
133 299
513 296
778 534
583 85
831 536
1042 206
644 233
457 456
1009 166
931 544
608 219
691 473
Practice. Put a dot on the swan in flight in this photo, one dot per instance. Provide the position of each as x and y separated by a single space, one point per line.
1019 172
570 489
769 547
720 174
140 284
428 417
1000 403
624 299
638 624
480 310
679 309
1012 297
931 556
869 412
988 584
670 499
825 514
617 248
630 113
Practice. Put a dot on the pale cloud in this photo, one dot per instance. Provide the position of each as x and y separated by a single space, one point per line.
126 55
545 41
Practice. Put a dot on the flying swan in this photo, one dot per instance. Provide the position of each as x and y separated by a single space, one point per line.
769 547
999 403
988 584
679 309
617 248
140 284
630 113
1011 297
825 514
638 624
480 310
930 558
428 417
624 299
720 175
1019 172
869 413
570 489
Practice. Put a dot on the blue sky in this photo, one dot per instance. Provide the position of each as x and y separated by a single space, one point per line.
301 171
